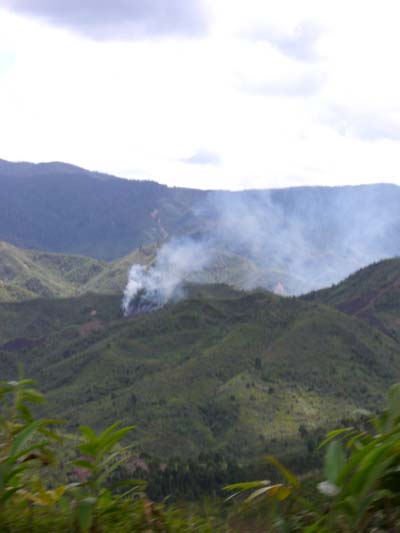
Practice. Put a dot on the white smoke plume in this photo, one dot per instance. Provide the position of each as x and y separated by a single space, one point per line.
151 287
291 241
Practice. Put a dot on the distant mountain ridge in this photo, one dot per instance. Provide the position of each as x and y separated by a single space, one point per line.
63 208
24 169
311 236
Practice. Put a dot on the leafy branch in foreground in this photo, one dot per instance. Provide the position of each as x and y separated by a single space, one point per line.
362 486
24 442
25 447
32 500
101 455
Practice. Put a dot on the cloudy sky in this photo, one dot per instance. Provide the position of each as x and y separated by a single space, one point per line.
204 93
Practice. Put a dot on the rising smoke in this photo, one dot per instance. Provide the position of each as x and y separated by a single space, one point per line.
290 241
151 288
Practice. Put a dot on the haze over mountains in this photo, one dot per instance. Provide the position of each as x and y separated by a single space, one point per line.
303 238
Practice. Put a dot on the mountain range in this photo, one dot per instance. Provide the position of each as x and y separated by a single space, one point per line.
231 367
311 236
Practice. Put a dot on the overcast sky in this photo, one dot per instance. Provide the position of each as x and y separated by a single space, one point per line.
204 93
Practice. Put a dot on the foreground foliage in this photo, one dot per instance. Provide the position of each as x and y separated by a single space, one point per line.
361 490
30 501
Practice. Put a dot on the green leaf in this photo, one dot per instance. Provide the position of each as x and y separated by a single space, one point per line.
83 463
23 437
33 396
257 493
35 447
287 474
335 460
247 485
336 433
393 406
88 433
85 511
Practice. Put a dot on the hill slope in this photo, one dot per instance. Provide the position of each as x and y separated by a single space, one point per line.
225 370
62 208
372 294
26 274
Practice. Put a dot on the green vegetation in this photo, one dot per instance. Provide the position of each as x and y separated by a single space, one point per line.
223 371
371 294
62 208
361 489
88 501
27 274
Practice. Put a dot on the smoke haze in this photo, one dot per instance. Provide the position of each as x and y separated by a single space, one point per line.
176 261
290 241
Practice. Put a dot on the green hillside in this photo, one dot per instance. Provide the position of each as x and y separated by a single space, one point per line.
222 370
28 273
112 279
66 209
13 293
371 294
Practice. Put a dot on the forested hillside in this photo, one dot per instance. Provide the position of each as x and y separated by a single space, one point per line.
62 208
221 370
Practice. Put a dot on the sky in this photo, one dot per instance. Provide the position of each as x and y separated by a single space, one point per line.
227 94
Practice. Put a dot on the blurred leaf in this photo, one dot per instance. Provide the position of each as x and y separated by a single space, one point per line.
287 474
24 436
335 460
85 510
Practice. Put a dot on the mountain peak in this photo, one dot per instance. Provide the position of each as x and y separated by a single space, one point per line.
24 169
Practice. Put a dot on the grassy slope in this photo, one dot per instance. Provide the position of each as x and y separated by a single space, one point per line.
238 372
30 273
113 278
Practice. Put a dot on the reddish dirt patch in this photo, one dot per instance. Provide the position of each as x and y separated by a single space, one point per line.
90 327
361 307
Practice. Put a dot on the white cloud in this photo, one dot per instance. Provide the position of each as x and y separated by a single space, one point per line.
203 157
305 107
118 19
300 44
